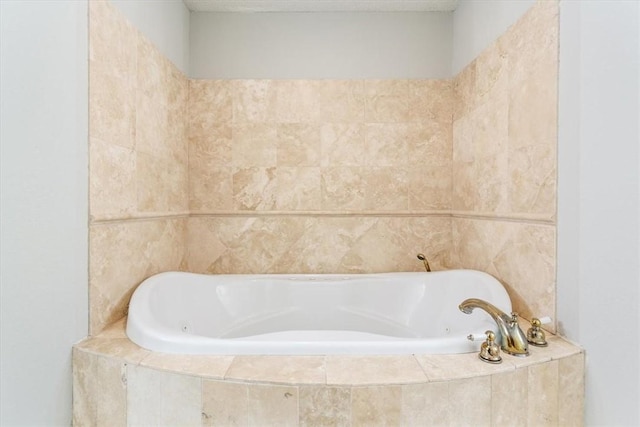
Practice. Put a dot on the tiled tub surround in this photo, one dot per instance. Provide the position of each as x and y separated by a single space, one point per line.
138 160
315 244
504 162
322 176
117 383
320 146
318 176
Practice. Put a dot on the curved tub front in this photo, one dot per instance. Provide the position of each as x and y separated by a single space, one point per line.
384 313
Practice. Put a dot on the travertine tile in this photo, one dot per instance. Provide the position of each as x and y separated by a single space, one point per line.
386 189
204 366
386 144
532 142
162 185
430 144
386 101
425 404
244 245
273 406
532 41
254 145
224 403
324 406
99 390
343 188
508 397
122 256
204 246
151 125
358 245
470 402
464 91
278 369
376 405
112 40
430 101
150 70
535 357
112 189
480 159
476 242
531 248
254 101
112 104
255 188
322 244
543 394
299 188
341 101
115 330
210 186
117 348
511 251
532 47
462 165
391 244
213 142
492 71
210 103
162 398
491 162
297 101
441 367
298 145
429 188
360 370
342 144
532 183
571 390
161 105
559 347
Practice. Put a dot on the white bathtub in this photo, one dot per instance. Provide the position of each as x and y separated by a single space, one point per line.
387 313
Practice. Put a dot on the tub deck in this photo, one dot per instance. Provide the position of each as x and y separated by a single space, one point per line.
117 382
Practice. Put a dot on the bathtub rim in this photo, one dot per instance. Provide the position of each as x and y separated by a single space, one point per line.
151 334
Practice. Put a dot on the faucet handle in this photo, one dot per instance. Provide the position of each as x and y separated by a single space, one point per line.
489 350
535 334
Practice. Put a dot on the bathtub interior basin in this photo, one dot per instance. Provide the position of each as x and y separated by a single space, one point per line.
384 313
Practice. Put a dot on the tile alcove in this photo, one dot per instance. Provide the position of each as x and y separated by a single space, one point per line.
241 176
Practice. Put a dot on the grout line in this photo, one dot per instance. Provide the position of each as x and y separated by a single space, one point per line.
139 218
480 216
533 219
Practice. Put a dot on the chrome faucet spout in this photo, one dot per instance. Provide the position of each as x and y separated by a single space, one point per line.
512 339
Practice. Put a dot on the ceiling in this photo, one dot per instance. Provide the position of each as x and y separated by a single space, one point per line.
321 5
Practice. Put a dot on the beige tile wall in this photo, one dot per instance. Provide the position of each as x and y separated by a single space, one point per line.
322 176
138 163
315 244
319 145
504 161
318 175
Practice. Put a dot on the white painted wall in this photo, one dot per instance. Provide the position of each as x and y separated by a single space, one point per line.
43 206
165 23
599 201
321 45
477 23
